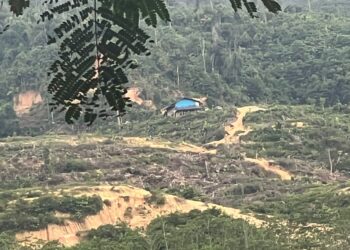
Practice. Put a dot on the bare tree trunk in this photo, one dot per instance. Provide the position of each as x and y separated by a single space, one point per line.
210 239
207 169
178 75
164 236
142 183
246 242
211 4
48 112
197 4
212 63
203 56
330 160
119 120
309 3
155 37
45 31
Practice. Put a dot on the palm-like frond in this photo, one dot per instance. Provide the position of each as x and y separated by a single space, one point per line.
17 6
96 47
272 5
251 8
236 4
4 29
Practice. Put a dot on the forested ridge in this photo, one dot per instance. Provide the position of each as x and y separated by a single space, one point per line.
291 58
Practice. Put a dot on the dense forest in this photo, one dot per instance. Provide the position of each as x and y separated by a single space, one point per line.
297 57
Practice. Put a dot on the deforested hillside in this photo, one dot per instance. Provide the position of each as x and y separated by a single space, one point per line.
270 169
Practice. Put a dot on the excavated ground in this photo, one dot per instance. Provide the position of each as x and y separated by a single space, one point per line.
236 129
127 204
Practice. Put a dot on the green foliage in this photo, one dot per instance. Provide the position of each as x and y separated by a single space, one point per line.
246 54
75 165
26 215
271 5
52 245
102 52
323 204
113 237
88 77
201 127
156 198
8 242
276 135
206 230
8 121
17 6
210 230
242 57
186 192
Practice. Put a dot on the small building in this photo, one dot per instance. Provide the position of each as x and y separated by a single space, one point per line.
182 106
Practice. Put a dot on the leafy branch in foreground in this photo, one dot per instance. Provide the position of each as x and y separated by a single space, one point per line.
4 29
96 42
251 8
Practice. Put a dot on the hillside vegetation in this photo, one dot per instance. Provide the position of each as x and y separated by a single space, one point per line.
313 201
264 166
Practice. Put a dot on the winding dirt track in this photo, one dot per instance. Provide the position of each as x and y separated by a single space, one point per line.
271 167
237 129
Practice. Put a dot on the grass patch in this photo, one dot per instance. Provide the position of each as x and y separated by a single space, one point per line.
156 198
33 215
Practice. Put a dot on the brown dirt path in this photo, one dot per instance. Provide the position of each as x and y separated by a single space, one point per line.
237 129
162 144
271 167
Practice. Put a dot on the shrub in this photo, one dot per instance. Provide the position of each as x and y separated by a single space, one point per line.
156 198
39 213
75 165
108 203
114 237
80 207
128 212
185 192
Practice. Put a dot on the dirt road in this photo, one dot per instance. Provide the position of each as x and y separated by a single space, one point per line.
237 129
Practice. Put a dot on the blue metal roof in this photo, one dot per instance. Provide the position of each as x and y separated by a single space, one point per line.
187 103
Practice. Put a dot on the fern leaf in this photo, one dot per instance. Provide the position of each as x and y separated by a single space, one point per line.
236 4
272 6
250 7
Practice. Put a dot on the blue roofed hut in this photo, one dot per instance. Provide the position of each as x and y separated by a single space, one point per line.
182 106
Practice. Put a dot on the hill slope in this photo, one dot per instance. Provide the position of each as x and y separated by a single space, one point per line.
125 204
